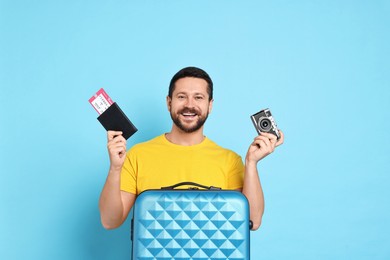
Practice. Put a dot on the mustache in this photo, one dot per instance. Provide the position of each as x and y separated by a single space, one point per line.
189 110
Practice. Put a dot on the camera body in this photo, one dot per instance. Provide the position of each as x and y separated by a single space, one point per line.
264 122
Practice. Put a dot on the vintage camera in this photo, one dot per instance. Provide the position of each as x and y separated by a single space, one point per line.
264 122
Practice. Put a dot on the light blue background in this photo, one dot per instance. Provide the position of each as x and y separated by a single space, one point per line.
321 66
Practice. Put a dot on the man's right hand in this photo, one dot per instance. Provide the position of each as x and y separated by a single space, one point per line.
115 204
116 145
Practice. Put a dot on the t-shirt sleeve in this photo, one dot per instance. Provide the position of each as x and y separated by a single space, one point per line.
236 173
128 181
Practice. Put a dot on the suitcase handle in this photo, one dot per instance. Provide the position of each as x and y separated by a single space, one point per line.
190 183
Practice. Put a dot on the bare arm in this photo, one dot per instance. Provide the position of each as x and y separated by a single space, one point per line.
115 204
262 146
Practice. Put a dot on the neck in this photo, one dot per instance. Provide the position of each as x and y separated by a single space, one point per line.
178 136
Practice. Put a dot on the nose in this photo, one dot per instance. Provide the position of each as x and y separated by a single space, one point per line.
190 102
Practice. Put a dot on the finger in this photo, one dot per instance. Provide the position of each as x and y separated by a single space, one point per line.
269 135
264 138
118 150
113 145
263 143
281 139
111 134
114 148
119 139
273 139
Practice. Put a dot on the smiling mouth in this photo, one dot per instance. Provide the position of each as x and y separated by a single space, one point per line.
189 114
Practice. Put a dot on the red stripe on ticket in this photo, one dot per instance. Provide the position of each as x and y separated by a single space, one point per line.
100 101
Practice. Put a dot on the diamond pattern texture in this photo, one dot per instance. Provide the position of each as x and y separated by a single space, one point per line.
187 224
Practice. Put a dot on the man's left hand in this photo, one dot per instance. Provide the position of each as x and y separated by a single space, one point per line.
263 145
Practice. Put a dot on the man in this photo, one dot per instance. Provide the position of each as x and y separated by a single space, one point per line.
183 154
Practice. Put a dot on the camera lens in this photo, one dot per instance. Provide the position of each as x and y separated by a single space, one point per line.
265 124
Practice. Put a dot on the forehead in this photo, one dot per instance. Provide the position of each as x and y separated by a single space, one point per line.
191 85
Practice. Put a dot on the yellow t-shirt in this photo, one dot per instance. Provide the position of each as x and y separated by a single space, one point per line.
158 163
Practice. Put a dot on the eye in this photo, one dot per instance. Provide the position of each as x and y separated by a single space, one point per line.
199 97
180 96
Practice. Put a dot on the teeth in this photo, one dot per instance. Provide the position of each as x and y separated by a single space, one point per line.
188 114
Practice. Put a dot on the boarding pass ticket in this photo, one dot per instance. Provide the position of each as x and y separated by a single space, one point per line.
101 101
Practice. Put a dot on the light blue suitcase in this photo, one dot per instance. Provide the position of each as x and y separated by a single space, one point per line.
190 224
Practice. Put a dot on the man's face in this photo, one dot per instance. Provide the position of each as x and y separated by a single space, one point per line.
190 105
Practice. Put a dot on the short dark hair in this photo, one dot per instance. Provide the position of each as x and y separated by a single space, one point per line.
191 72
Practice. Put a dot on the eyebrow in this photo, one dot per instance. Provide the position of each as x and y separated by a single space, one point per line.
196 93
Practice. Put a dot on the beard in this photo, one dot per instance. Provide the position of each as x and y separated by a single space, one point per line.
188 129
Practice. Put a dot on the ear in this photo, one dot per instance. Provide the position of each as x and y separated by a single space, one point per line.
211 105
169 101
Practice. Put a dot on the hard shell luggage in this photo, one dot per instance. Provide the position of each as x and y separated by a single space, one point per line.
190 224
